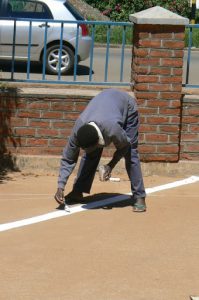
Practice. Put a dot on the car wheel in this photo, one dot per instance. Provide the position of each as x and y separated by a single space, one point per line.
52 60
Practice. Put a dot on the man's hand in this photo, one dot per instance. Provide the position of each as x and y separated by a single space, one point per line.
104 172
107 173
59 196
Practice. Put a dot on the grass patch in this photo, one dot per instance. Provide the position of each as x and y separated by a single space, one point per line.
195 37
116 34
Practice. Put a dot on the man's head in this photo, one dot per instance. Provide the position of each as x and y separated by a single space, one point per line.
87 137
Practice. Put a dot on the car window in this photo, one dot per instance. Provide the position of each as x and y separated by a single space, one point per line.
27 9
76 14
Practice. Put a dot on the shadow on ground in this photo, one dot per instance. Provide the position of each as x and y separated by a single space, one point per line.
36 68
8 103
89 200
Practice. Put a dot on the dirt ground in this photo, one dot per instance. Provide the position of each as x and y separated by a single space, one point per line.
99 254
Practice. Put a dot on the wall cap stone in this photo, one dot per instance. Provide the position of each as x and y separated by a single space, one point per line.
158 15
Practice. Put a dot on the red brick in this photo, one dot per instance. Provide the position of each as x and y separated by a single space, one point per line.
190 119
149 43
144 78
193 111
170 95
147 61
158 120
173 44
71 116
47 132
36 142
194 128
160 71
159 87
161 35
174 103
140 69
63 106
192 148
148 110
190 137
64 124
174 120
160 157
142 87
143 35
169 111
172 62
140 52
171 79
156 103
173 138
21 105
79 107
161 53
142 119
14 121
147 148
57 143
39 123
39 105
168 148
176 87
28 114
25 131
65 132
145 95
147 128
52 115
169 128
177 71
141 102
158 138
179 35
178 53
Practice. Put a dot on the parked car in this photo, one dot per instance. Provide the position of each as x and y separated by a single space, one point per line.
49 10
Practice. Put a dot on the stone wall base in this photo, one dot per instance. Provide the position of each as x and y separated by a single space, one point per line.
49 165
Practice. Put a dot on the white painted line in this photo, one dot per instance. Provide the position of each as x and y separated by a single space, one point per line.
174 184
194 297
79 208
61 213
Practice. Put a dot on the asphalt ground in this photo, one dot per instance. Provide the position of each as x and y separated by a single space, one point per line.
102 253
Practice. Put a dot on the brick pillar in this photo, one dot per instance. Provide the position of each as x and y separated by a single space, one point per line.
158 43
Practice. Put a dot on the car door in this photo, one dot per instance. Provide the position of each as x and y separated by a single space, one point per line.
14 34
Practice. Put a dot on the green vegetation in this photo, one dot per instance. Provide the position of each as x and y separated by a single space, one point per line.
120 10
195 37
116 33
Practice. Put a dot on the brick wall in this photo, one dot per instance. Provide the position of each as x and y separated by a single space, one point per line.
41 124
189 148
38 125
157 83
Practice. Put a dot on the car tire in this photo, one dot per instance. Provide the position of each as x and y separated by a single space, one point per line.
52 60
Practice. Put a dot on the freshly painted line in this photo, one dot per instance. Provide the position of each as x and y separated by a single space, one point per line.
79 208
60 213
174 184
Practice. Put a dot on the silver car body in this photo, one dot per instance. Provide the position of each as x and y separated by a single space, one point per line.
59 12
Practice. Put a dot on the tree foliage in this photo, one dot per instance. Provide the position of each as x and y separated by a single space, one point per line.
120 10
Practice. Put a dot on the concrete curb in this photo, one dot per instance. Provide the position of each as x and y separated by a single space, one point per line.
49 165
